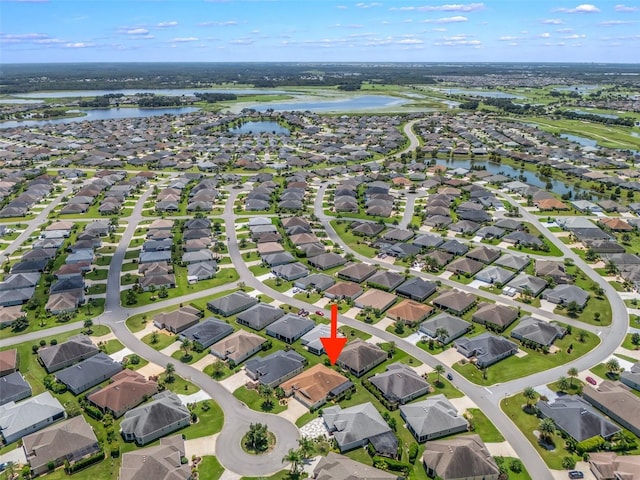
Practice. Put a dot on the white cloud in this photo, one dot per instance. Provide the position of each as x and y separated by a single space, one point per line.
468 7
456 19
545 35
507 38
564 30
350 25
574 36
22 36
137 31
613 23
342 7
185 39
79 45
410 41
556 44
552 21
584 8
172 23
625 8
368 5
228 23
49 41
242 41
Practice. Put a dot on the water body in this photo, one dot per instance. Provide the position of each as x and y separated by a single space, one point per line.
261 127
581 89
363 102
603 115
18 101
479 93
529 177
585 142
104 114
174 92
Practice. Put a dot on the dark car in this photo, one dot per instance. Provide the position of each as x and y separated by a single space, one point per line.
320 313
576 474
449 376
591 381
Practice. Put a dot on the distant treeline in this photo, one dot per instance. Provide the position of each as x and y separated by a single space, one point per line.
216 97
150 100
592 117
503 104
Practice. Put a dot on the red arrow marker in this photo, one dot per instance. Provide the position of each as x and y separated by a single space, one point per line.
333 345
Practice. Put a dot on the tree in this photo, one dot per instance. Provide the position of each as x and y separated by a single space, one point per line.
573 309
294 457
265 392
257 438
439 369
547 428
154 337
218 369
306 446
163 292
563 384
169 373
635 339
613 366
573 373
530 394
88 323
582 336
442 334
131 298
186 347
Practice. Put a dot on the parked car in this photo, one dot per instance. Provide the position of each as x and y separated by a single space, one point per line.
320 313
576 474
591 380
449 376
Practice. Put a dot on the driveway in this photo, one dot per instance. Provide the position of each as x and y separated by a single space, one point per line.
200 446
294 410
235 381
449 357
16 456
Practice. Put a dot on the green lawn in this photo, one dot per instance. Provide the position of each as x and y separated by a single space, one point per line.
179 385
512 407
210 420
195 356
254 401
628 344
444 387
357 243
309 297
483 427
516 367
112 346
210 468
258 270
225 373
163 339
273 283
97 274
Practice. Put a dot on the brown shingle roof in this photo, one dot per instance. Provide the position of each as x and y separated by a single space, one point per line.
314 385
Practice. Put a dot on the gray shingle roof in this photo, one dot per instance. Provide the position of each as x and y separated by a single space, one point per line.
399 382
278 365
433 415
89 372
260 316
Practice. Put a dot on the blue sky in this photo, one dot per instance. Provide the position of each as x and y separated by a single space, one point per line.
33 31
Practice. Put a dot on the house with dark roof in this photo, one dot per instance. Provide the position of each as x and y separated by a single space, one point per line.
357 272
483 254
417 289
359 425
275 368
177 320
522 282
312 341
497 317
338 467
465 266
28 416
162 461
513 261
577 418
462 457
127 390
259 316
455 301
444 327
428 240
57 357
555 270
291 271
290 327
358 357
148 422
67 441
486 348
316 385
88 373
238 346
564 294
400 383
631 378
537 331
275 259
316 281
232 303
344 290
385 280
617 402
454 247
432 418
326 261
13 388
207 332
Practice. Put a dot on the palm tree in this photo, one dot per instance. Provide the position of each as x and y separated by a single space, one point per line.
530 394
547 428
294 457
563 384
613 366
306 446
185 346
442 333
573 373
169 372
439 369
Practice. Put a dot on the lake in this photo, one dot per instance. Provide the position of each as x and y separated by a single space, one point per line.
363 102
479 93
261 127
174 92
603 115
18 101
104 114
585 142
531 178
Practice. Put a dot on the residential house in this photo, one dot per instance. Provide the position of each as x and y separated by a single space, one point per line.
385 280
338 467
231 304
177 320
565 294
28 416
375 299
417 289
484 254
523 283
207 332
409 312
494 275
162 461
344 290
67 441
497 317
357 272
400 383
358 357
463 457
13 388
486 348
554 270
513 261
632 377
127 390
8 361
575 417
148 422
455 301
291 271
432 418
290 327
312 341
465 266
617 402
611 466
445 328
238 346
88 373
57 357
537 331
275 368
326 261
358 426
316 385
316 281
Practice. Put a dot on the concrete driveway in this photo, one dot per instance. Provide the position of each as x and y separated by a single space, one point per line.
235 381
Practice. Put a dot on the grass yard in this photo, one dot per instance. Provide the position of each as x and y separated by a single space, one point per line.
516 367
628 344
162 339
225 371
209 468
282 287
356 243
254 401
195 356
483 427
179 385
258 270
112 346
210 420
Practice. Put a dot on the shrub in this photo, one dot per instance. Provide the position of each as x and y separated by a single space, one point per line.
85 462
413 452
93 412
568 463
590 445
392 464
